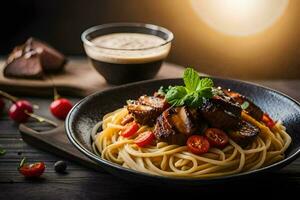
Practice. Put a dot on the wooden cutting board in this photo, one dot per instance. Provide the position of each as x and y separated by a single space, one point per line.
55 141
78 79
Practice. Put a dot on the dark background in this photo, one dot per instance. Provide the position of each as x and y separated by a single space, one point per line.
274 53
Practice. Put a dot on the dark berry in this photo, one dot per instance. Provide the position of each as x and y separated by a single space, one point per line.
60 166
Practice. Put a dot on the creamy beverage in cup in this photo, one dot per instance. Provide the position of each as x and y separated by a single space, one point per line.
128 48
127 52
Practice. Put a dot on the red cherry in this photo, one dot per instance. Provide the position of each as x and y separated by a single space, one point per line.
17 111
2 105
60 108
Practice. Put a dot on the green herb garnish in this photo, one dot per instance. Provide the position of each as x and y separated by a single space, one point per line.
245 105
23 161
163 91
2 151
196 89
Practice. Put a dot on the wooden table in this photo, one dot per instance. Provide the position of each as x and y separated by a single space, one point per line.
80 182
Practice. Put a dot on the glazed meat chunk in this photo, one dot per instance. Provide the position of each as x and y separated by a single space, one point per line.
146 109
253 110
175 125
218 117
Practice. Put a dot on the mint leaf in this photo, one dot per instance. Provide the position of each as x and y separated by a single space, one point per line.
175 95
191 79
193 100
196 90
245 105
205 83
206 92
2 151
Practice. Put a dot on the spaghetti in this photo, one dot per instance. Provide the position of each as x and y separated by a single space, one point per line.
176 161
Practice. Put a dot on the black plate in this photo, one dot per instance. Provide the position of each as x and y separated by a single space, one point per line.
90 110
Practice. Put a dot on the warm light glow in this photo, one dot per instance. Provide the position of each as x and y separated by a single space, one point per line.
239 17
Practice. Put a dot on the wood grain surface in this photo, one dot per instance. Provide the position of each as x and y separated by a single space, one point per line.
79 78
81 182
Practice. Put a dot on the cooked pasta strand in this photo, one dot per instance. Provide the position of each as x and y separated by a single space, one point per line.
173 160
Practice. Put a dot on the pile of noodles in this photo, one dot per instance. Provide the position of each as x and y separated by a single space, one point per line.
176 161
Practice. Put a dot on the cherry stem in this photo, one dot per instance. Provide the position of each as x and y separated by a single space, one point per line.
8 96
56 95
37 117
23 161
13 98
41 119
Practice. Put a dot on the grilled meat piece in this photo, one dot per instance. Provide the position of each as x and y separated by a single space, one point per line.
176 124
223 111
215 114
33 69
32 59
253 110
143 114
183 120
51 59
155 102
228 104
244 134
164 127
146 109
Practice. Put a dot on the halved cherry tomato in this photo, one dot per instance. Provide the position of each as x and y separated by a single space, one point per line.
268 121
32 170
130 129
144 138
216 137
197 144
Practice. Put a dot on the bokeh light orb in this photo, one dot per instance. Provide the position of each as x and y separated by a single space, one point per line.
239 17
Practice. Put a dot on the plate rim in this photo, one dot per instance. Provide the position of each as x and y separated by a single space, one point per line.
96 158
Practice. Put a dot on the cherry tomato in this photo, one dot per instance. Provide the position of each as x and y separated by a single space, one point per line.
197 144
268 121
17 111
130 129
216 137
2 105
32 170
144 138
60 108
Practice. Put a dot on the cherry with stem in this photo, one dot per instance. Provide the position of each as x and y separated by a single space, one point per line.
60 107
21 110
